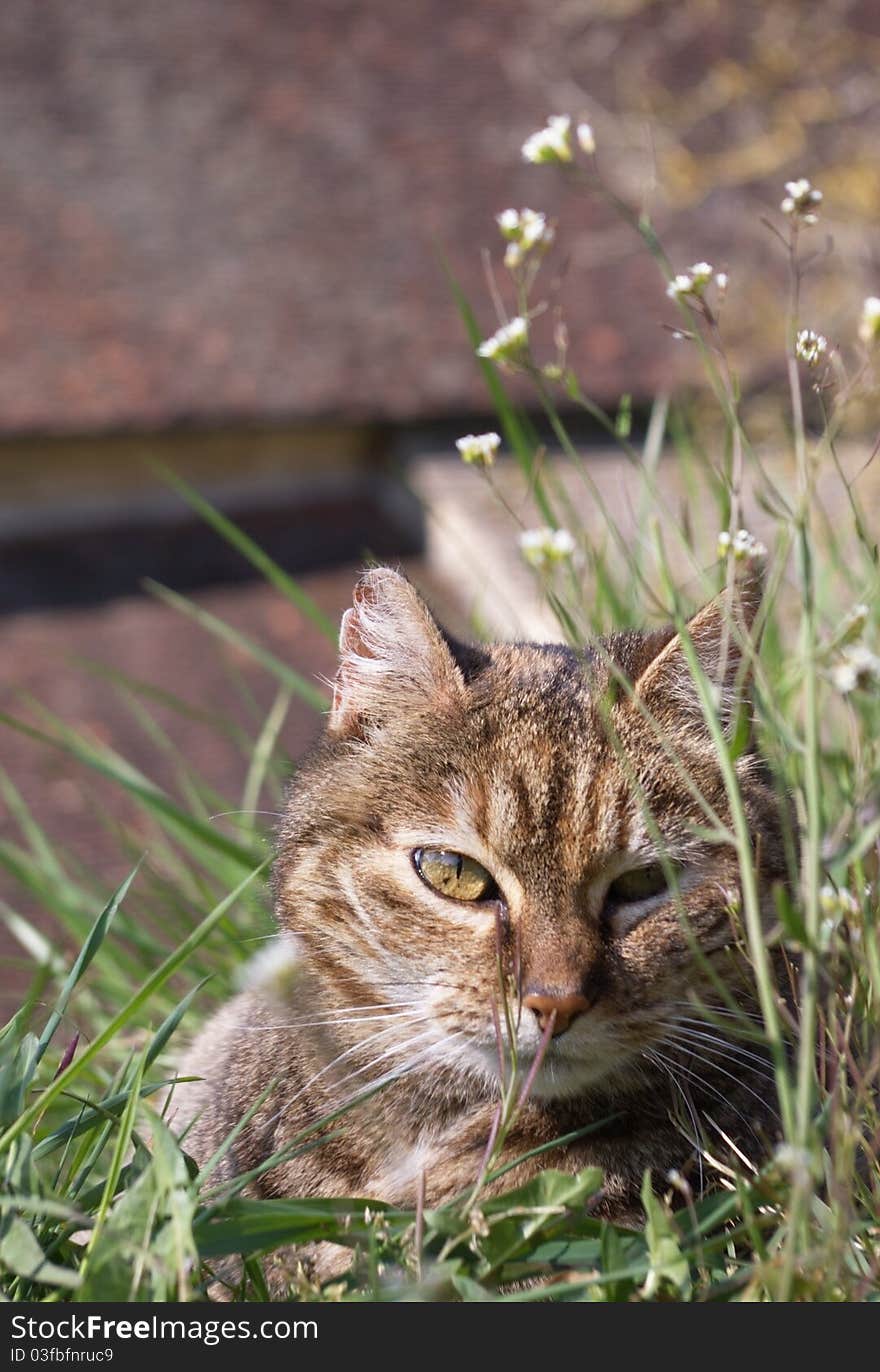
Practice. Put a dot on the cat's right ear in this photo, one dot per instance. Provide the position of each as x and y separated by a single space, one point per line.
667 687
392 655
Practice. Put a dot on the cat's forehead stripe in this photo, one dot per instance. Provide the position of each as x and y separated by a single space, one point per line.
569 810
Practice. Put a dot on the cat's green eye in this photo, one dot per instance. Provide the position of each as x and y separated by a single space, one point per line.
640 883
453 874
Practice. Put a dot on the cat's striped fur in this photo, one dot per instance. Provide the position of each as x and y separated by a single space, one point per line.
556 770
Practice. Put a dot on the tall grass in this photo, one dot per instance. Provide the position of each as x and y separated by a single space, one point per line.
99 1200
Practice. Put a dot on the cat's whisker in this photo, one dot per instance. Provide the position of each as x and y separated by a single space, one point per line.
378 1005
704 1085
712 1010
716 1067
730 1049
408 1017
424 1054
389 1052
328 1067
398 1071
687 1045
682 1090
754 1025
757 1067
404 1069
747 1033
373 1005
747 1068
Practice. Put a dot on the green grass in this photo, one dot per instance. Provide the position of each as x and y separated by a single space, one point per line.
99 1200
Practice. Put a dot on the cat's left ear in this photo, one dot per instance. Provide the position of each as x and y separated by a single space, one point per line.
392 655
666 686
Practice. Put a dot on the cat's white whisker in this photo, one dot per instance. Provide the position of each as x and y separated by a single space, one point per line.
404 1069
340 1023
705 1085
730 1048
744 1033
389 1052
700 1083
688 1047
712 1010
346 1010
373 1005
328 1067
696 1141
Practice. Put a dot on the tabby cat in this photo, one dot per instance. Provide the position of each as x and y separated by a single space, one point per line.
517 805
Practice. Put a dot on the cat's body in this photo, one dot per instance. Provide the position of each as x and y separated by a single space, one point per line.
514 808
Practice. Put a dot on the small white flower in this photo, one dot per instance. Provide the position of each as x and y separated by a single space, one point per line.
478 449
743 545
721 281
508 223
535 230
550 144
680 285
845 677
692 282
586 139
543 547
857 666
810 347
869 325
507 343
526 231
801 201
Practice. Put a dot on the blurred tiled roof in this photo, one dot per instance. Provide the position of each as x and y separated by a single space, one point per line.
233 208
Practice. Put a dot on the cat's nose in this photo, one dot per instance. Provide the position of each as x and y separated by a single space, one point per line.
566 1009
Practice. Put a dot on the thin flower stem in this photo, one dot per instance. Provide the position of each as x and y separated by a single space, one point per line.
811 866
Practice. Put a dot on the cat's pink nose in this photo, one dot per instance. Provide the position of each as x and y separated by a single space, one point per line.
565 1008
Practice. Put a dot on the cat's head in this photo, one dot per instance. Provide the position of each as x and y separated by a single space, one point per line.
554 813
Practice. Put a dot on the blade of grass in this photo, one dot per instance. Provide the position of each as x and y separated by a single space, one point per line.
262 756
122 1017
250 550
84 957
126 1129
109 764
298 686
